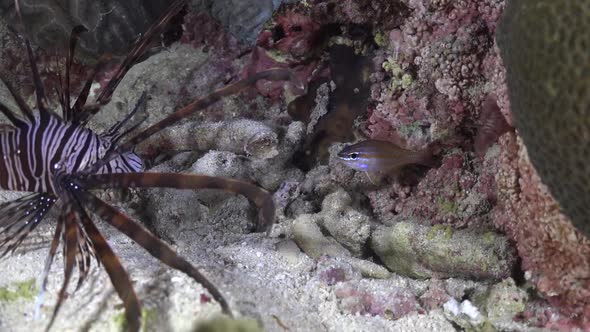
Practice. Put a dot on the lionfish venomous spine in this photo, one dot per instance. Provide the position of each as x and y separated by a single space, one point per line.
56 158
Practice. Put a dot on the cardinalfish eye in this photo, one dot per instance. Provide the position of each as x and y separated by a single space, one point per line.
349 154
353 158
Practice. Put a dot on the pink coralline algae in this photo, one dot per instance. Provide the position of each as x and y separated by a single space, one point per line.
555 256
435 296
388 301
378 13
436 70
289 43
444 195
438 62
331 271
300 35
261 60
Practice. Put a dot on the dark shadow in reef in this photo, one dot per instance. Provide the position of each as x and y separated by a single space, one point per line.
350 73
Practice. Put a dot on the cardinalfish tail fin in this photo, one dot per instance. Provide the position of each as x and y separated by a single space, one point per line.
429 156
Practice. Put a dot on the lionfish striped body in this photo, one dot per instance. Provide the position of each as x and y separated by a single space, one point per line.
59 159
35 154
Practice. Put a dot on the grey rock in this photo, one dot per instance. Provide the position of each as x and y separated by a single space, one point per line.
348 226
369 269
505 300
420 251
113 25
308 236
251 138
243 18
289 250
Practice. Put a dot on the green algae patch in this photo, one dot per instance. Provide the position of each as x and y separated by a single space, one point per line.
447 207
380 39
148 318
445 230
394 247
400 80
489 237
410 129
26 290
225 324
486 326
120 321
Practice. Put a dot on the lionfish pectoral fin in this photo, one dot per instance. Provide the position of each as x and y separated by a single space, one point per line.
86 252
39 89
255 194
44 111
276 74
117 274
70 218
42 282
20 217
153 245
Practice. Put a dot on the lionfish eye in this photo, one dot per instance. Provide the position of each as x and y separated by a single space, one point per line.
354 155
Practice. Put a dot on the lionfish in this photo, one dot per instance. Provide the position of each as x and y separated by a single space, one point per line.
57 158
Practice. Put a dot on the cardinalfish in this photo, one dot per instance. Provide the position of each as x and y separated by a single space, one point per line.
382 157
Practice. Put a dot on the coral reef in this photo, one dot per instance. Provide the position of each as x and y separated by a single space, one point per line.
550 95
433 74
441 57
288 43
